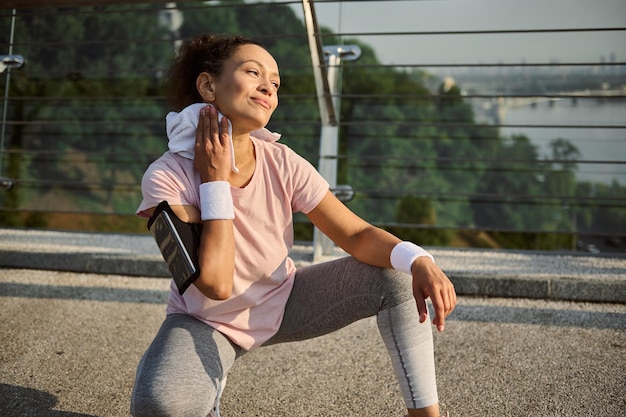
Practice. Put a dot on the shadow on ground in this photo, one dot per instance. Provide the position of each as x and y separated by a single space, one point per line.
27 402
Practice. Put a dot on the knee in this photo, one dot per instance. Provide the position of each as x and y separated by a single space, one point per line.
398 287
150 404
391 286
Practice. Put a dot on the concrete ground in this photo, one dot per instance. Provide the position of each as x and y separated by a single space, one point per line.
70 343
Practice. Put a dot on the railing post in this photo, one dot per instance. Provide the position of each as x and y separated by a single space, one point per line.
329 135
6 63
326 71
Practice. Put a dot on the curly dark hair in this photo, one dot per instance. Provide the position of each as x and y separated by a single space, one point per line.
203 53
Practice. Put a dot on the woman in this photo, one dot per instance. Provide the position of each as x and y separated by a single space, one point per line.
230 175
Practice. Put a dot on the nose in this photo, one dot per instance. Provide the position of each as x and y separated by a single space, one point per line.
267 87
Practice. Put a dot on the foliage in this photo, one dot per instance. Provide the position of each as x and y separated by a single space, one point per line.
85 106
419 211
602 214
88 111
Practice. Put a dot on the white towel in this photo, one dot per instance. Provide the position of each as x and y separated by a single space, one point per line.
181 132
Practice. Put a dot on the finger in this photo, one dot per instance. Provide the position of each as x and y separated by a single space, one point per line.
440 323
224 136
447 302
422 309
452 295
440 311
200 129
214 129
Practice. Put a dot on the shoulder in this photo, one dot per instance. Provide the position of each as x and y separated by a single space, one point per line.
172 160
169 171
271 147
172 164
171 178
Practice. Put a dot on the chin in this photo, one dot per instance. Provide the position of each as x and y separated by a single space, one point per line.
250 121
259 123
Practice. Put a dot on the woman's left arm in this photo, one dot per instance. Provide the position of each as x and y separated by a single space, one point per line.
372 245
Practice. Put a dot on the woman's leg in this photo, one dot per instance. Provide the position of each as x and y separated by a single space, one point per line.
410 347
331 295
181 372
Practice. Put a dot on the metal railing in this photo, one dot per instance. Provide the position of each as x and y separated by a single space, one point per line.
79 134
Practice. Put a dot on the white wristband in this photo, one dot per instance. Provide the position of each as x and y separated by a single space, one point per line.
403 255
216 201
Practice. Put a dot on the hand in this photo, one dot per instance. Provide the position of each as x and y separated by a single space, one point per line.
212 149
430 281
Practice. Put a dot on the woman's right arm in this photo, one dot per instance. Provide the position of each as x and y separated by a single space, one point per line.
216 254
217 243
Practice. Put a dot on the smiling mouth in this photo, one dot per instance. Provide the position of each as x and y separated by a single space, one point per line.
263 103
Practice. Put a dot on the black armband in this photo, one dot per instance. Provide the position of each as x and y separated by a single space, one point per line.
178 242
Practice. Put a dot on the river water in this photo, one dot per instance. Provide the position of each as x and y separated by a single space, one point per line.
598 138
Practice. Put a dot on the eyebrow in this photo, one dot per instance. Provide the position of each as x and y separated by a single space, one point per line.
274 74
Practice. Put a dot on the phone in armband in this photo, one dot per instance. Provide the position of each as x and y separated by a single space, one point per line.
178 242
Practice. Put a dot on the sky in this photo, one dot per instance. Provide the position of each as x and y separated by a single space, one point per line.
460 15
455 15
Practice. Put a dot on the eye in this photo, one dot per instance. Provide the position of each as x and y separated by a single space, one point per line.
253 72
276 85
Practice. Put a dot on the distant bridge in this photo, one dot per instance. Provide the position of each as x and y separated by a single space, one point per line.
495 109
514 102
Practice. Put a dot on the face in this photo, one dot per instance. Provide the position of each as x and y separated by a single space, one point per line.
247 90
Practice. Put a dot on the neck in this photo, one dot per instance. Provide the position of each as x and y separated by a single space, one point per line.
244 150
244 160
242 143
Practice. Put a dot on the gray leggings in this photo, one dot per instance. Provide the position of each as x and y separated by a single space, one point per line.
183 369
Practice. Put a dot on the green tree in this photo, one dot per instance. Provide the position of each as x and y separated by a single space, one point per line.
506 197
420 212
604 212
560 184
89 118
78 144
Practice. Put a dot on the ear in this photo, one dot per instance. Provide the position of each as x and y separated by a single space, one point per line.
205 84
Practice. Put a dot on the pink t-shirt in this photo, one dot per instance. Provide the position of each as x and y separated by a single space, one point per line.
282 183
